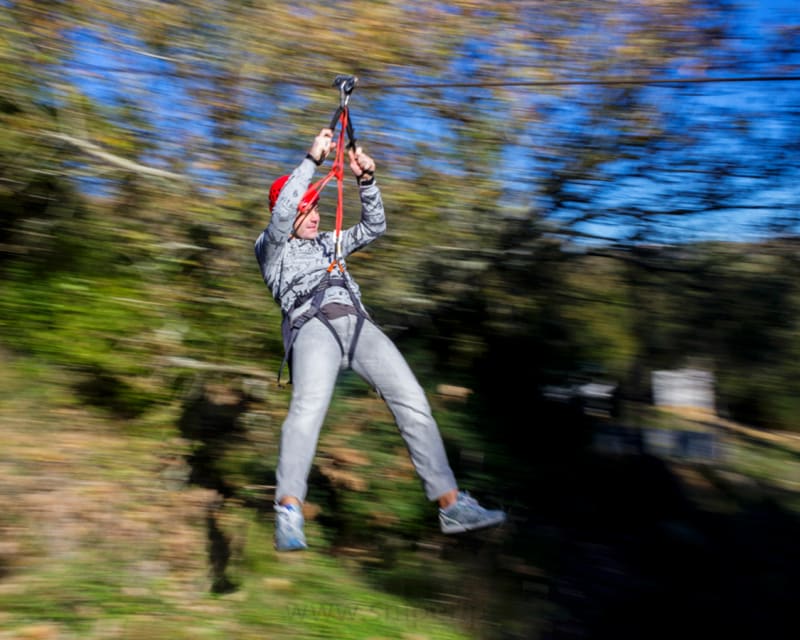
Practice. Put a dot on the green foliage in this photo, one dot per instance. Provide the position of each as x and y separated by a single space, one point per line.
128 283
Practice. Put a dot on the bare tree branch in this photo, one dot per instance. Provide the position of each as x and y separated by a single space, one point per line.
95 151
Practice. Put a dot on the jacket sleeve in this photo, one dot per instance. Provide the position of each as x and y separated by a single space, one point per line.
372 224
283 215
268 244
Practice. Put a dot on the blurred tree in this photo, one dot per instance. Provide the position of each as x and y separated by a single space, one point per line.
504 134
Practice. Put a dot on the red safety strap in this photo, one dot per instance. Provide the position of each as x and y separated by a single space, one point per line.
337 171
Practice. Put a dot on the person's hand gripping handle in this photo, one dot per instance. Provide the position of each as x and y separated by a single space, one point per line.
362 165
321 146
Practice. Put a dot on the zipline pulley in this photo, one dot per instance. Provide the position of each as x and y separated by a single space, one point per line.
345 84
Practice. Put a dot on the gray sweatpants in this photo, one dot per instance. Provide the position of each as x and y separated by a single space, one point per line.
317 360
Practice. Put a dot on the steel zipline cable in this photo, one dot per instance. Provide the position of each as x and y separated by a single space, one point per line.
596 81
477 84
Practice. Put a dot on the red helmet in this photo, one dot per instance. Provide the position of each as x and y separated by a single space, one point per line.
308 201
275 191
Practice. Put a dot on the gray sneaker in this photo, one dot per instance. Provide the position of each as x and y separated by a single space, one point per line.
465 514
289 522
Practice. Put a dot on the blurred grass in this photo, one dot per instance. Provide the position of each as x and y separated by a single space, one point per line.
104 536
95 544
756 464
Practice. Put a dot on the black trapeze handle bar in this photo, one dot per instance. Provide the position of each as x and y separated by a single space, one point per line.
350 134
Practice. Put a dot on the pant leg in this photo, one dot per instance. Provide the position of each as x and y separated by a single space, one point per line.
380 363
316 361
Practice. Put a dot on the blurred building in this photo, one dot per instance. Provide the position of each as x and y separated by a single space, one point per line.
684 388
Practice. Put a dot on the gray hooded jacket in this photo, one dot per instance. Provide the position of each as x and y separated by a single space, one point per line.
292 267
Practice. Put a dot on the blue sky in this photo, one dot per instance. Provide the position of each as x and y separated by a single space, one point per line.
177 118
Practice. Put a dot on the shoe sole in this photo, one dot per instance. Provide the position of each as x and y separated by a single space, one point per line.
464 528
294 546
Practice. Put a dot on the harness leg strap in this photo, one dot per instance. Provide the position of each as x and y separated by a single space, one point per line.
354 342
327 323
294 330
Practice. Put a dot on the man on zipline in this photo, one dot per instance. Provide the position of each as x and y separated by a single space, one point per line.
326 329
